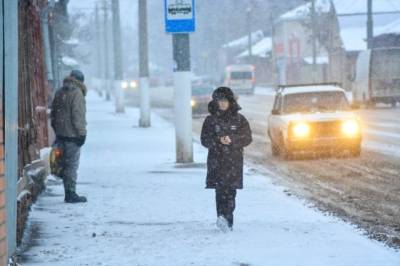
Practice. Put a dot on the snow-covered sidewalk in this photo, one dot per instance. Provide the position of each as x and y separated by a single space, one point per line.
145 210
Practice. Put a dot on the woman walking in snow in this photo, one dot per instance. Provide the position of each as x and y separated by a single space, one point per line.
225 133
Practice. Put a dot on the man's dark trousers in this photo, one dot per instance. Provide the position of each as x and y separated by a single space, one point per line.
225 199
71 155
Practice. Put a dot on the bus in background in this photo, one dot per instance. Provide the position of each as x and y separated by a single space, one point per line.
377 77
240 78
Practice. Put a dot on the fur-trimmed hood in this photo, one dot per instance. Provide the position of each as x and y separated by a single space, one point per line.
71 83
223 93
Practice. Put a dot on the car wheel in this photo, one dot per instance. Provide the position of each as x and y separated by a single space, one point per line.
356 151
284 152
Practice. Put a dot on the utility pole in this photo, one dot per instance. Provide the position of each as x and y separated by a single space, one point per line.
183 109
10 34
54 42
106 51
249 38
314 41
46 45
98 42
145 116
370 25
118 71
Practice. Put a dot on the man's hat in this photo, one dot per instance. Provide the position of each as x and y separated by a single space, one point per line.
77 74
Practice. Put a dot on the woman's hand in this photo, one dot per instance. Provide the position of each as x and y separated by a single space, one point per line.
226 140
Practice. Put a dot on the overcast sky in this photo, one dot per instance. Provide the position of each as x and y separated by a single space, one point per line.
128 9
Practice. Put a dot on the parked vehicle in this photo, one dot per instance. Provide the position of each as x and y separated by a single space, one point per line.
313 118
202 88
378 77
130 88
240 78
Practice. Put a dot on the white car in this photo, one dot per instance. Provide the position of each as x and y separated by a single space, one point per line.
313 118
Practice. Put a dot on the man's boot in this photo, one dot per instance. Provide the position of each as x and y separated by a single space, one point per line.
72 197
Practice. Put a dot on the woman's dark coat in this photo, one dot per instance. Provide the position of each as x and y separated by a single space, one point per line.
225 162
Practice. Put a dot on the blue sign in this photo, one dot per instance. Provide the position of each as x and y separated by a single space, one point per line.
179 16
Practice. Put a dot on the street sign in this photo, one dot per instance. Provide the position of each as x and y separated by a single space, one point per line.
179 16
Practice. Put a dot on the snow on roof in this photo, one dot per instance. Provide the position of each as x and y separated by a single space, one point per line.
353 30
342 7
391 28
321 6
307 89
260 49
243 41
69 61
320 60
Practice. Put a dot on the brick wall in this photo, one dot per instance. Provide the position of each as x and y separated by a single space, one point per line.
3 229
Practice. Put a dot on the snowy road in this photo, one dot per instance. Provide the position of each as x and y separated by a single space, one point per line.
145 210
364 190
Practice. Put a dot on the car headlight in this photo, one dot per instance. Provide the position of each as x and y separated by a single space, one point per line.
124 85
133 84
301 130
192 103
350 128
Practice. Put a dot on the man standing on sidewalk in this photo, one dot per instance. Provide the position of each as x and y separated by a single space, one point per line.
68 119
225 133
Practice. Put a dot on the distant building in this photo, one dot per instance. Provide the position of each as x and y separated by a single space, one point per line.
340 35
261 58
228 53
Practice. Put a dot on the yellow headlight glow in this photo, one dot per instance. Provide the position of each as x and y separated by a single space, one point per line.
301 130
133 84
124 85
350 128
192 103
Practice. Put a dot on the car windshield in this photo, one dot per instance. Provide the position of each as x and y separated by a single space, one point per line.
311 102
241 75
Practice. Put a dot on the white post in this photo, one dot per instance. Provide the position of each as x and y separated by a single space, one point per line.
183 117
119 97
145 115
118 71
145 118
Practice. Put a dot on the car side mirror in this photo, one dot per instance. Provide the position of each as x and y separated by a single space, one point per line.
275 112
355 106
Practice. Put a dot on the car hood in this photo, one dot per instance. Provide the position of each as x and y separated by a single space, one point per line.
320 117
